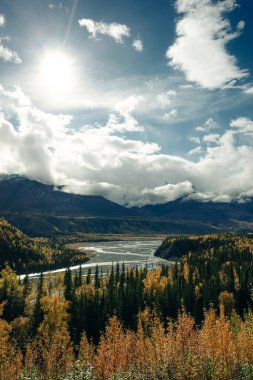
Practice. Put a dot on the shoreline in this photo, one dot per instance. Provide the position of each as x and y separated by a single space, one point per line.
103 238
126 257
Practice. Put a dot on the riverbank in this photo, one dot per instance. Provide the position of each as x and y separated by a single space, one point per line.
79 240
131 253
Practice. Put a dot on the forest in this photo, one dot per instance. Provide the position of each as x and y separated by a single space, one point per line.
24 254
191 320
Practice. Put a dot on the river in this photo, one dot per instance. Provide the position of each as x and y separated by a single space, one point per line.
105 254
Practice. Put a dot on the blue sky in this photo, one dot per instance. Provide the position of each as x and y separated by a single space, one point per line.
139 101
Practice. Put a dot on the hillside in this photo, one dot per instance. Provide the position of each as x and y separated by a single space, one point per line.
25 254
175 247
234 215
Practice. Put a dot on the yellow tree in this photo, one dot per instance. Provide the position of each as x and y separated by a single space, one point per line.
51 352
245 340
115 350
10 358
217 345
227 301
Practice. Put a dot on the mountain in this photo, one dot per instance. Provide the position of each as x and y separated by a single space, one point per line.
44 210
234 215
20 194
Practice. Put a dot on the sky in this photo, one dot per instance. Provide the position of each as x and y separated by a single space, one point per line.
139 101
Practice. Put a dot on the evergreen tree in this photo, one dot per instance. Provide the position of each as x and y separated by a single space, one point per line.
37 315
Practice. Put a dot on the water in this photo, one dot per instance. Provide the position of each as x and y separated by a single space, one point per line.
105 254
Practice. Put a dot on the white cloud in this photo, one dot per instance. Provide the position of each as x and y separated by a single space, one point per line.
165 101
166 193
212 138
170 114
186 86
209 124
249 90
200 47
165 98
2 20
138 45
128 124
98 159
242 125
197 150
9 55
117 31
194 139
125 108
6 53
241 25
128 105
58 5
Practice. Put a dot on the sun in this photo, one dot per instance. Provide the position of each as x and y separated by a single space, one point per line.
56 72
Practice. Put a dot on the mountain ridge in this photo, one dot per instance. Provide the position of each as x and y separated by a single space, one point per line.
41 209
33 196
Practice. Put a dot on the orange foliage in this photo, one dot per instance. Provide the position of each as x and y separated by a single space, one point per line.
10 358
154 282
115 350
180 352
245 340
51 352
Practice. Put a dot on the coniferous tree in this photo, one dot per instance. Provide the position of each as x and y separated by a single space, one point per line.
37 315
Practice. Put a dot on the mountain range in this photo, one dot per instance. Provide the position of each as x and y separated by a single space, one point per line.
40 209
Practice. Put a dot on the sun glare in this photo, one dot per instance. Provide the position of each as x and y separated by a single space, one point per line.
56 72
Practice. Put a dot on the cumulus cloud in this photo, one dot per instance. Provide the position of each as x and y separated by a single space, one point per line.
138 45
6 53
165 98
242 125
209 124
165 101
99 159
194 139
125 108
2 20
200 47
170 114
166 193
196 150
241 25
249 90
212 138
9 55
117 31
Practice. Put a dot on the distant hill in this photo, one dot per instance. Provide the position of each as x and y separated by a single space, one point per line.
225 216
44 210
174 247
25 254
15 247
